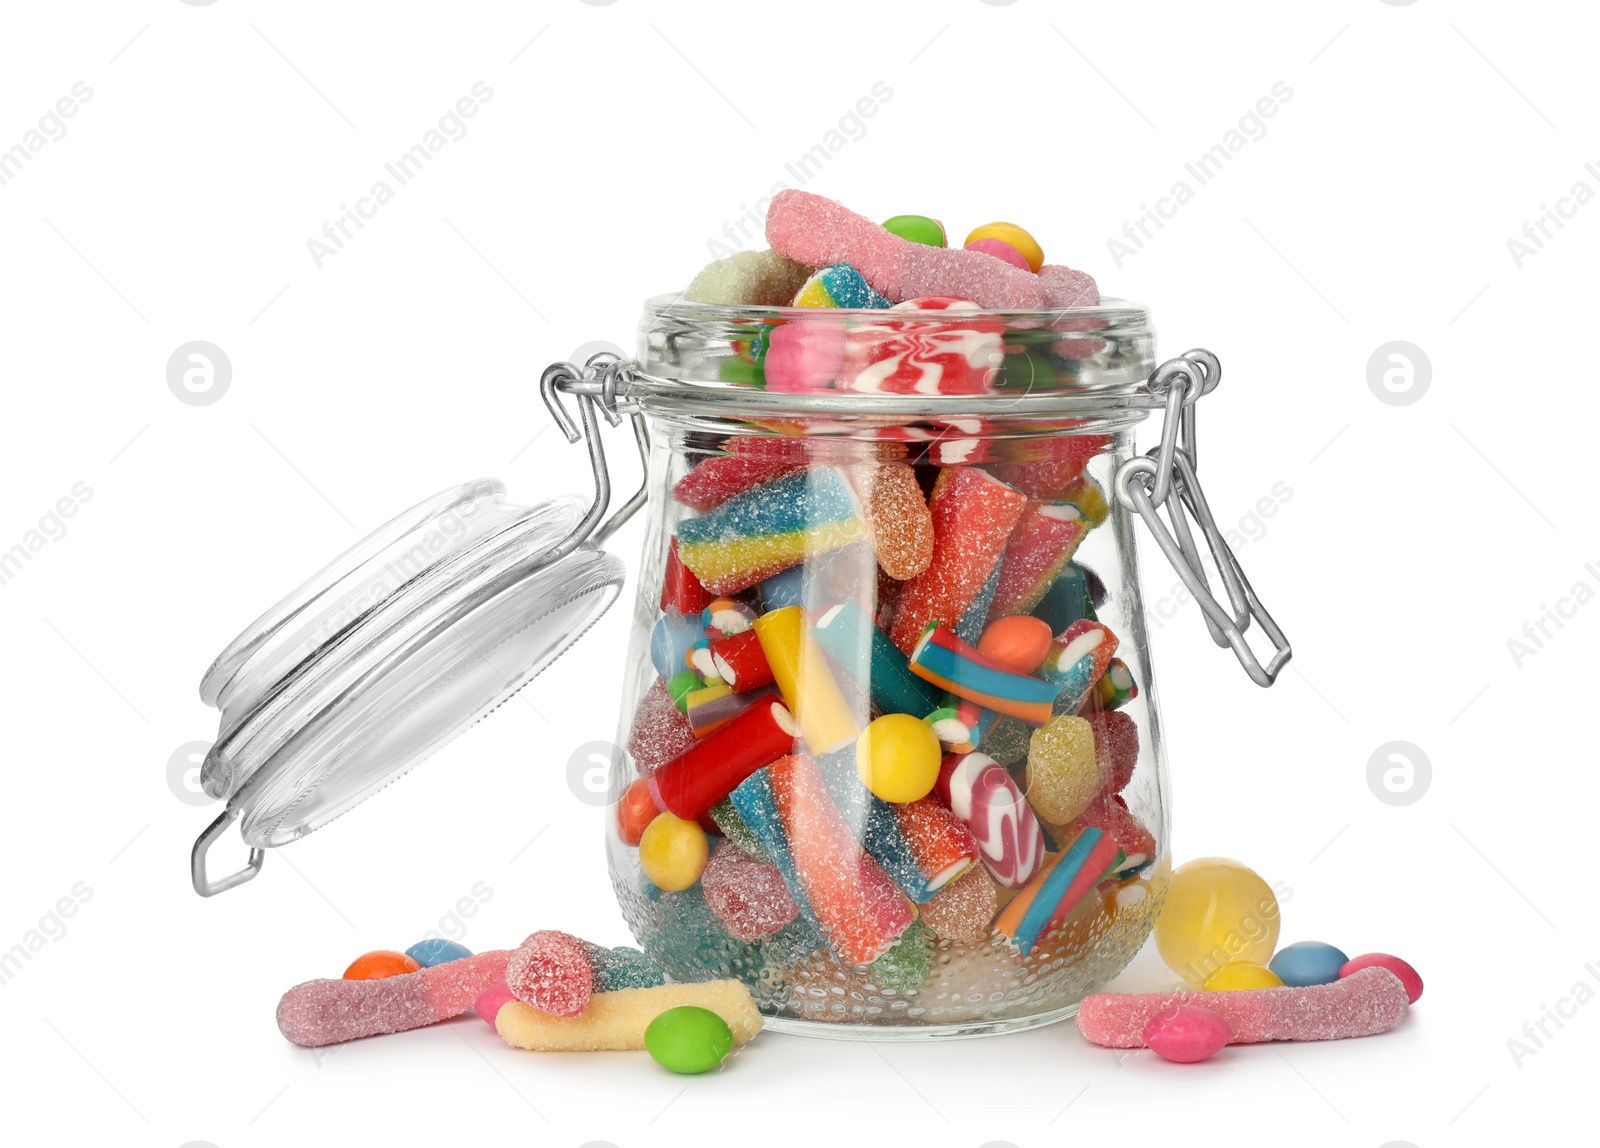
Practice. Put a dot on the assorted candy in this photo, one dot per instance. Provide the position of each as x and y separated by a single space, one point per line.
554 992
899 755
1362 1004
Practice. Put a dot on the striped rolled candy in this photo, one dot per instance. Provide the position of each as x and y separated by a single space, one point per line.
1056 890
982 794
825 716
709 708
1077 659
948 662
1116 687
961 725
722 617
739 661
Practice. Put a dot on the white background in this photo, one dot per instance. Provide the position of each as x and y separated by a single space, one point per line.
618 141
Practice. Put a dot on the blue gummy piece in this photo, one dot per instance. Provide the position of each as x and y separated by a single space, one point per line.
623 968
849 289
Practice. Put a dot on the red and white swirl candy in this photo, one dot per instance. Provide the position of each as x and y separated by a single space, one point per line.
923 356
981 793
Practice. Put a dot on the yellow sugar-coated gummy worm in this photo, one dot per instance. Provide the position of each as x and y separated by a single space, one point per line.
617 1019
806 680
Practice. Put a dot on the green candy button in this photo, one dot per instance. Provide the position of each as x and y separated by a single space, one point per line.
688 1039
917 229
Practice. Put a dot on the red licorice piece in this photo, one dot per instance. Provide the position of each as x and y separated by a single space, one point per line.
706 772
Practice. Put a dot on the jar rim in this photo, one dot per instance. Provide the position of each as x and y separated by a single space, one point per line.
1099 360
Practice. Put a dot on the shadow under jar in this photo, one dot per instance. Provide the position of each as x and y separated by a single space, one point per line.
857 515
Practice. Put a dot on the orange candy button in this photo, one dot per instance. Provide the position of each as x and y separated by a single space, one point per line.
1018 642
382 963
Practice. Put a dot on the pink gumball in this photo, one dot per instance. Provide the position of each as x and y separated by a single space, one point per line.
804 355
1000 249
488 1003
1186 1034
1408 975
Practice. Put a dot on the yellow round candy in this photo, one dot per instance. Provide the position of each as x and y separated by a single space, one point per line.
673 852
1025 244
898 757
1216 911
1236 975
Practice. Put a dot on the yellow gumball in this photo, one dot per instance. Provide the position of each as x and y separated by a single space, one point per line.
673 852
1024 244
1236 975
1216 911
898 757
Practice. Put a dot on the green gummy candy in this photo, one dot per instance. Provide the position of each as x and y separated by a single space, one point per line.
904 965
916 229
735 830
688 1039
748 279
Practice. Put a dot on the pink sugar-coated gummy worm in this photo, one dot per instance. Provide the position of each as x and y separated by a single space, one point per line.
333 1011
1064 287
1362 1004
817 231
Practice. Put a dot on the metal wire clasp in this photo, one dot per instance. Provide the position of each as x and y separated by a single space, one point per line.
601 384
1147 483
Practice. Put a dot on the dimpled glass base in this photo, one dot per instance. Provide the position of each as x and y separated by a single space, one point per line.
945 991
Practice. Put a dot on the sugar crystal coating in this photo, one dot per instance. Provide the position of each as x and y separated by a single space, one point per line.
622 968
618 1020
962 910
748 896
660 731
326 1012
1362 1004
1116 744
817 231
899 524
551 971
1064 775
748 279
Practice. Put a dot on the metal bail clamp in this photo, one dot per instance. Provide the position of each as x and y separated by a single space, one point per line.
1146 483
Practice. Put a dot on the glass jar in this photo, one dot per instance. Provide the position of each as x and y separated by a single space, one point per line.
889 751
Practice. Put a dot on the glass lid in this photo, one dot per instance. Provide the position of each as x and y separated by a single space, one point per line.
383 656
